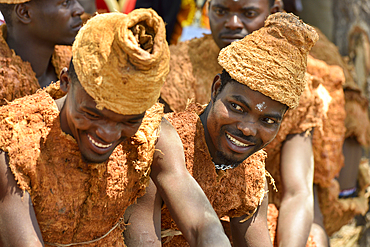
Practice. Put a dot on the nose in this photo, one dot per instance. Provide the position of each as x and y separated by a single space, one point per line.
248 128
234 23
78 10
109 132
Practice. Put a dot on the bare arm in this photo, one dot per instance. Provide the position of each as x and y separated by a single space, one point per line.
253 232
18 224
296 209
184 198
143 220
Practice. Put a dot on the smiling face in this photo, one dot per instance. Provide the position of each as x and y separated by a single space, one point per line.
239 122
97 132
56 21
232 20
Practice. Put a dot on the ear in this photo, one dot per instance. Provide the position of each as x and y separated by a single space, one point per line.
277 7
65 80
216 86
22 12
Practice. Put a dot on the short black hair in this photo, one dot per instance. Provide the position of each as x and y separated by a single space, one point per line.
72 73
225 79
6 11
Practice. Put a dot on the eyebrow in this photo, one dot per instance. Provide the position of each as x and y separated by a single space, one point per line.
225 7
93 109
99 113
276 116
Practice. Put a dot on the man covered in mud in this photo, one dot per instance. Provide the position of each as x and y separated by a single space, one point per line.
32 51
223 141
69 168
291 155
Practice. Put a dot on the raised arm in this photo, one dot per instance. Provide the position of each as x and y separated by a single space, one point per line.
253 232
296 209
184 198
18 224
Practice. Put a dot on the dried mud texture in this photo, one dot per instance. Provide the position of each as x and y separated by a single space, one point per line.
74 201
327 145
17 79
235 192
61 58
54 90
338 212
272 60
135 45
272 221
328 52
193 66
357 121
304 118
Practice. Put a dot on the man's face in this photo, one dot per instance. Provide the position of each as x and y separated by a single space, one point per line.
56 21
240 122
232 20
97 132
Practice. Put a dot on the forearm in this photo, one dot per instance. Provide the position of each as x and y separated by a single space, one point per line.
295 220
212 235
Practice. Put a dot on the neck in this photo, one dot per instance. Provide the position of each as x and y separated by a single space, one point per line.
203 117
34 51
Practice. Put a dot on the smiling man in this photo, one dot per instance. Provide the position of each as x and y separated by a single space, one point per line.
32 43
223 141
70 168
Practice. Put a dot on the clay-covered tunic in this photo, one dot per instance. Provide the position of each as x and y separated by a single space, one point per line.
234 192
74 201
193 66
357 119
17 79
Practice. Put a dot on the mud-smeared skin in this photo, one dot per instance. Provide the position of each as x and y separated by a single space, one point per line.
74 201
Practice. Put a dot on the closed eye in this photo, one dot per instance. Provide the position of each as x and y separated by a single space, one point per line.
134 122
91 115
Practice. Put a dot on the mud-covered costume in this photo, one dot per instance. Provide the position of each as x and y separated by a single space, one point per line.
337 212
17 79
74 201
233 192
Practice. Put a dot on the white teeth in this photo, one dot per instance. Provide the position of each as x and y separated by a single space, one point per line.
100 145
236 142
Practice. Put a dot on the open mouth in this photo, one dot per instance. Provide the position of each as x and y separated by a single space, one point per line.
98 144
236 142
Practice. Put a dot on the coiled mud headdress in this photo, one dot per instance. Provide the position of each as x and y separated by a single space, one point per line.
122 60
273 59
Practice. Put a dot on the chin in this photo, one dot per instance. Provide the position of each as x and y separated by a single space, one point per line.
95 159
